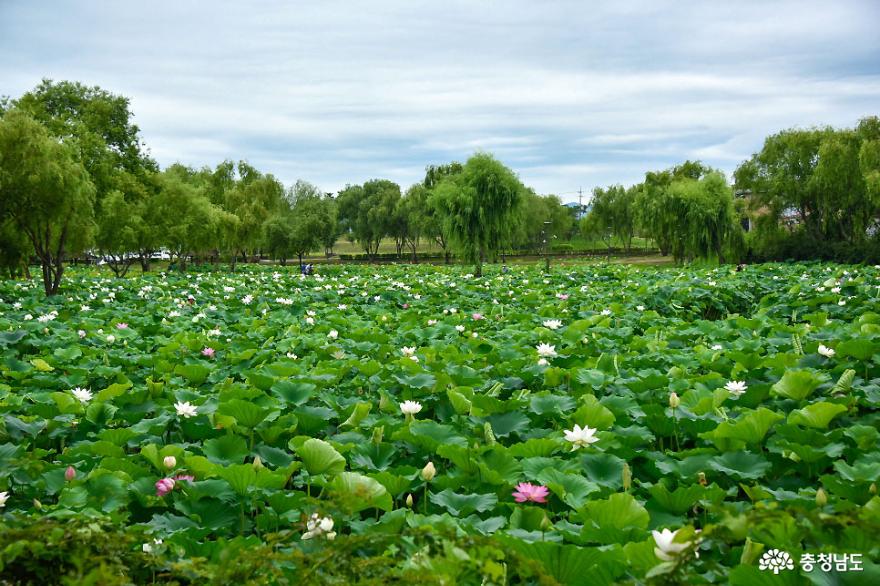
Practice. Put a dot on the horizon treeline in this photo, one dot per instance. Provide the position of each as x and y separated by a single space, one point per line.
75 176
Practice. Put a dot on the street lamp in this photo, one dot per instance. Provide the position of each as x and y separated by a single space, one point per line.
544 245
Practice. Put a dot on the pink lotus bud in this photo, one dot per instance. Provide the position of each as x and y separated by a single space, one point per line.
69 474
170 461
164 486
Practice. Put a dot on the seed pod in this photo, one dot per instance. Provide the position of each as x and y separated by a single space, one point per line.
701 477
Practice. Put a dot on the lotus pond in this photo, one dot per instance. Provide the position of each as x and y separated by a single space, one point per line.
600 424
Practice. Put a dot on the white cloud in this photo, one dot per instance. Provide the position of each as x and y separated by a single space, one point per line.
567 95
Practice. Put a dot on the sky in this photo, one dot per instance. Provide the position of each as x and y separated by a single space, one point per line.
570 95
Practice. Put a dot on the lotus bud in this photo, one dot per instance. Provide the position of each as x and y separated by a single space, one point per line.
38 505
409 501
545 523
873 488
69 474
701 478
627 476
378 432
258 463
428 472
821 497
170 461
674 401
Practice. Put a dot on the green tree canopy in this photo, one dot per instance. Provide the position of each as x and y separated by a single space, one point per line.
478 207
367 212
45 192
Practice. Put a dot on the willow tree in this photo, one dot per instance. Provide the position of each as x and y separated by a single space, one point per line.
45 192
478 207
706 224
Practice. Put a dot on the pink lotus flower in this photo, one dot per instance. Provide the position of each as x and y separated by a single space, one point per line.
187 477
406 305
477 316
208 351
122 326
562 296
526 491
164 486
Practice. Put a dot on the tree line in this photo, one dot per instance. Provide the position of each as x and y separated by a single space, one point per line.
75 176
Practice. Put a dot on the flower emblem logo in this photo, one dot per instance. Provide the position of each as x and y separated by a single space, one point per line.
775 560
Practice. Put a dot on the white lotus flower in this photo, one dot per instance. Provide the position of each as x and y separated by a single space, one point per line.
408 350
552 324
333 334
640 308
317 526
667 549
4 496
606 312
736 387
247 299
580 436
410 407
459 328
546 350
186 409
542 362
826 351
83 395
717 347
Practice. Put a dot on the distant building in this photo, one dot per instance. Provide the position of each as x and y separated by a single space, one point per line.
579 210
790 217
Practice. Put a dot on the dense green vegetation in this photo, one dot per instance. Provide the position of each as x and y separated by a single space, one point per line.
75 177
415 423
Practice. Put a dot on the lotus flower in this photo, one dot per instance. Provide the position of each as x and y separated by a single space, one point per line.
552 324
526 491
208 352
70 473
546 350
4 496
186 409
410 407
84 395
581 436
667 549
317 526
164 486
826 351
736 387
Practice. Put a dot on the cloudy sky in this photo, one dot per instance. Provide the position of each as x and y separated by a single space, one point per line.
568 94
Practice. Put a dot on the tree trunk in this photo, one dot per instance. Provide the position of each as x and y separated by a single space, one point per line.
145 263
